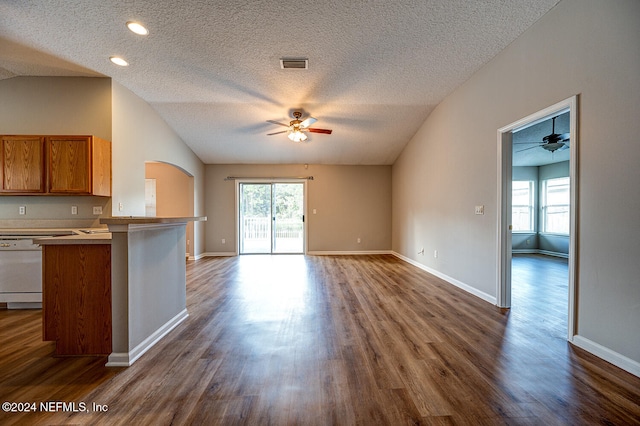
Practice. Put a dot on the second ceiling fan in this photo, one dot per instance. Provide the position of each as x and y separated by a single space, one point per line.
551 142
297 129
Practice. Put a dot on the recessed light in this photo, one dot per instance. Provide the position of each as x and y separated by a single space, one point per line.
118 61
137 28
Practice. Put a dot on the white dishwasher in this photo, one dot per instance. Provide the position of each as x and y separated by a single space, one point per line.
20 272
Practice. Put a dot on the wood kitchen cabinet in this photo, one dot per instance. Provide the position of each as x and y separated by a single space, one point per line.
76 298
79 165
23 165
55 165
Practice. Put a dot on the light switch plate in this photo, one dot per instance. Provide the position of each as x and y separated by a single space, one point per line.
97 209
479 209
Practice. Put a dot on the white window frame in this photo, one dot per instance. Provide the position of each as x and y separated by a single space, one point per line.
545 206
531 207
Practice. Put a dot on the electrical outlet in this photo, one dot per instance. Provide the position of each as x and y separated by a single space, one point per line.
97 209
120 207
359 240
74 209
435 254
22 210
224 241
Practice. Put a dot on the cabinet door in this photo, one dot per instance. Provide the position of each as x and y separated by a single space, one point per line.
101 167
22 168
76 299
69 164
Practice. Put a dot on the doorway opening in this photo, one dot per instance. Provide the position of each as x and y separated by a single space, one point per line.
271 217
541 210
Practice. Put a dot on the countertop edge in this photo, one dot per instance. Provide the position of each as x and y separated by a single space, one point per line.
103 238
142 220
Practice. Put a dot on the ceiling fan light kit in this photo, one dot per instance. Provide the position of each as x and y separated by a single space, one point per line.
297 128
297 136
553 146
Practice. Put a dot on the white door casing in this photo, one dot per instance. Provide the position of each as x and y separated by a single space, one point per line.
505 152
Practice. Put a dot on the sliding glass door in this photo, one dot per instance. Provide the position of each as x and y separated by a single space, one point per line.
271 218
255 218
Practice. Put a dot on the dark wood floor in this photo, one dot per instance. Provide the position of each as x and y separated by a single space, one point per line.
316 340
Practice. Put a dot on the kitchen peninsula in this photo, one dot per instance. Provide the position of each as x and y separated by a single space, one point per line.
148 281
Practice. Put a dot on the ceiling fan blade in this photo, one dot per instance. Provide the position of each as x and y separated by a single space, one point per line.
277 133
564 136
325 131
531 147
307 122
277 122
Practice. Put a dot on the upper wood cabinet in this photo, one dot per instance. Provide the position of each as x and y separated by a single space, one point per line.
22 168
79 165
66 165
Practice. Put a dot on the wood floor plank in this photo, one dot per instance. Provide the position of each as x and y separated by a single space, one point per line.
332 340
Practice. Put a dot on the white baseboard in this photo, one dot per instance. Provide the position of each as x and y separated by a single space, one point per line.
621 361
126 359
538 251
346 253
553 253
218 254
198 257
482 295
524 251
310 253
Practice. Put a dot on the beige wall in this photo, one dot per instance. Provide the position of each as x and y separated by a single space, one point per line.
141 135
351 202
54 106
174 194
584 47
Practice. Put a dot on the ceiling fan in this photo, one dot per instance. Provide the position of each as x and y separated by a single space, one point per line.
551 142
297 129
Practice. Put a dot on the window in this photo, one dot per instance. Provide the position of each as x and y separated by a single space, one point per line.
522 206
555 206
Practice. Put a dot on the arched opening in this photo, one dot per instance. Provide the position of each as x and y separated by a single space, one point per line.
169 191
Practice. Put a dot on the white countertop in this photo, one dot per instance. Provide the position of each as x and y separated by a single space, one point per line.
48 236
98 238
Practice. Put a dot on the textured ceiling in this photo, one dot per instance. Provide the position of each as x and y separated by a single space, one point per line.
211 68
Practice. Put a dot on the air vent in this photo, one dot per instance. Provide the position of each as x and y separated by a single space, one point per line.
294 63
